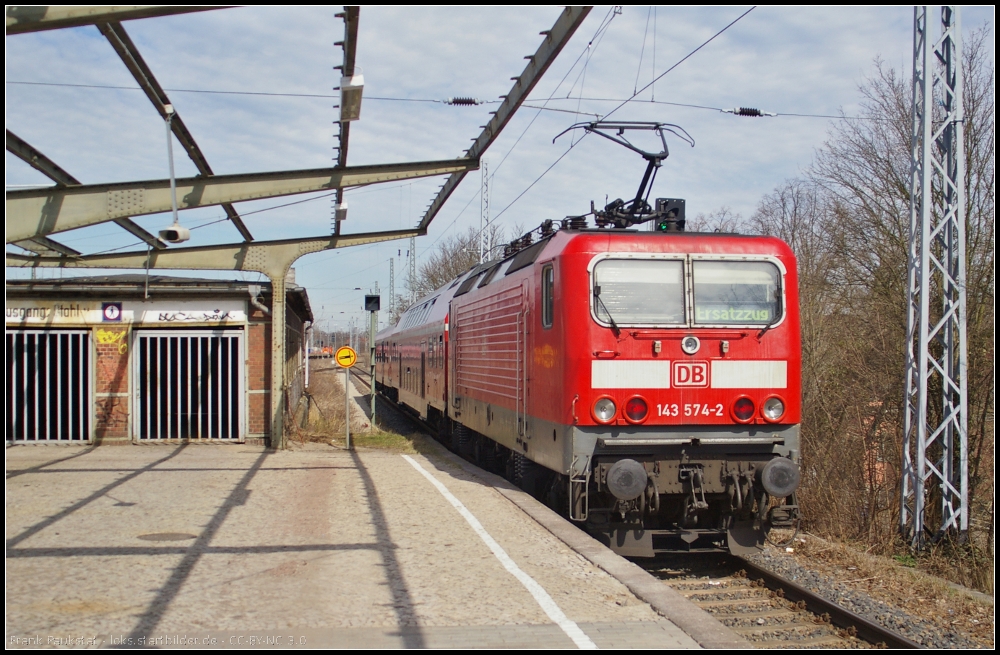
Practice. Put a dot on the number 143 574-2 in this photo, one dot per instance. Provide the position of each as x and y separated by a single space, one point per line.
689 409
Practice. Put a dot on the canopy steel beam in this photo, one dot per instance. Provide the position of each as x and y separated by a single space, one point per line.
23 19
129 54
34 212
351 15
259 256
46 246
34 158
555 40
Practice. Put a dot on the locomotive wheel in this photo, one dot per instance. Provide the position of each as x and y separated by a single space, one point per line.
479 451
444 431
515 467
463 441
557 497
491 458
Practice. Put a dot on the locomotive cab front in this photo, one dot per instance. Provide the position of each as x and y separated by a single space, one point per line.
686 423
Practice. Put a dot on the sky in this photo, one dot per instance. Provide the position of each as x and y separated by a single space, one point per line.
806 61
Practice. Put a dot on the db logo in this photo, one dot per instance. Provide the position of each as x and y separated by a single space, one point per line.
690 374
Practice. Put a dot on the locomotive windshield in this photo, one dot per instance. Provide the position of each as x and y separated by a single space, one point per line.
736 293
639 292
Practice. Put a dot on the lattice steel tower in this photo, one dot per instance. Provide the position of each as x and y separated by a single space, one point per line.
935 481
392 287
484 210
413 269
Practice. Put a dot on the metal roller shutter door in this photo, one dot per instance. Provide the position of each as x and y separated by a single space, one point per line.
49 388
188 384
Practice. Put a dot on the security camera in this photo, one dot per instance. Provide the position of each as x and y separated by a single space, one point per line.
175 234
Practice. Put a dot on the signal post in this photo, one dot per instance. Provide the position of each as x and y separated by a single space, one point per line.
345 358
372 305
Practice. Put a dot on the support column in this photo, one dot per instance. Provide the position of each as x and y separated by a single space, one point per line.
278 356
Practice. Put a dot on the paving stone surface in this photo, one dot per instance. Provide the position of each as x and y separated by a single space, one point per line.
169 545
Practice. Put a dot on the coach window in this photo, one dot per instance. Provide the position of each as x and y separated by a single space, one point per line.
736 293
548 286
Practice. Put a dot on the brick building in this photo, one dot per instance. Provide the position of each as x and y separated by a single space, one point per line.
130 359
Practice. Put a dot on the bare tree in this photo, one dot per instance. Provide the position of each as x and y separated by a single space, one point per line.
453 256
848 222
721 220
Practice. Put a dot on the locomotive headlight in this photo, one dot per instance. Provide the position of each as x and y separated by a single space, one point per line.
690 344
773 409
604 410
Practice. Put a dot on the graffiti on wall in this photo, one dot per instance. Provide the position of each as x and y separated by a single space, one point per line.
110 337
200 317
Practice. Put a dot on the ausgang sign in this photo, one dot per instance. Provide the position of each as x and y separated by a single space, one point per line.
42 314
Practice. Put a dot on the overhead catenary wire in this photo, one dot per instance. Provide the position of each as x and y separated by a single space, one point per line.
681 61
591 48
552 98
661 75
605 23
573 144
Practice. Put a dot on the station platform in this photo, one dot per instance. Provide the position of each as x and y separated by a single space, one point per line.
238 546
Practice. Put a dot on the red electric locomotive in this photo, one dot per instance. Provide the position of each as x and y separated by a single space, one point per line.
644 383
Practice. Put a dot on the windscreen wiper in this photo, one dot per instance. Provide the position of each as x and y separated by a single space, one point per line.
614 326
778 314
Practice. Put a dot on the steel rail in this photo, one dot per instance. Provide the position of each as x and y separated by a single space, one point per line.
868 630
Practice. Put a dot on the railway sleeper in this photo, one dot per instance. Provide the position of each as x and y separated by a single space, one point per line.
692 585
770 617
819 642
714 605
728 592
783 630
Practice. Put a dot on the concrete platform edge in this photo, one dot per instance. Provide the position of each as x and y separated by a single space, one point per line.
696 622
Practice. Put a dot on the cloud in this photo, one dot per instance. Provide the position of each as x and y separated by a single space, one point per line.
789 60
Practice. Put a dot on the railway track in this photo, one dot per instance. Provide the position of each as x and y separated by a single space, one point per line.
765 609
